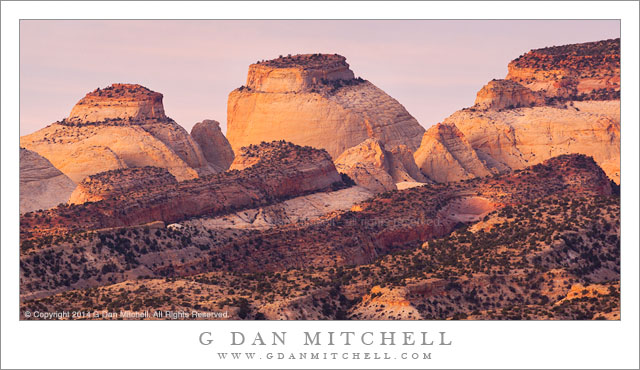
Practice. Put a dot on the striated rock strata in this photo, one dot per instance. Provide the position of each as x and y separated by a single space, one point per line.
389 222
42 186
121 126
446 155
511 126
371 166
314 100
280 170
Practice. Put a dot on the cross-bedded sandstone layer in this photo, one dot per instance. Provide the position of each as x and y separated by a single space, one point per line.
558 100
315 100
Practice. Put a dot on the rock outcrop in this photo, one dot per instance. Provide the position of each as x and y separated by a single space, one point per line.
42 186
371 166
501 94
514 139
114 183
587 71
215 147
445 155
121 126
555 101
118 102
280 170
314 100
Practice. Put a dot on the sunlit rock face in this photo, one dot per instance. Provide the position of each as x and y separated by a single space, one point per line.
314 100
558 100
121 126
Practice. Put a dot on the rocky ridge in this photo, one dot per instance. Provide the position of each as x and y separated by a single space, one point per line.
117 183
390 223
280 170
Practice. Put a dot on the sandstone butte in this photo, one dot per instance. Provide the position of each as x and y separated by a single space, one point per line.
556 100
42 186
122 126
127 197
314 100
373 167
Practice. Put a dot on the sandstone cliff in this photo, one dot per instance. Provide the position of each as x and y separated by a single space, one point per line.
555 101
371 166
215 147
42 186
514 139
314 100
121 126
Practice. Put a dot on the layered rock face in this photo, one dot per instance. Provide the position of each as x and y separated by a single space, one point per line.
446 155
118 102
587 71
371 166
297 73
504 132
314 100
121 126
42 186
114 183
501 94
215 147
279 170
518 138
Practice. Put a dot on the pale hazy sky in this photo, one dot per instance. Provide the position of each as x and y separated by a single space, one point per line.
433 68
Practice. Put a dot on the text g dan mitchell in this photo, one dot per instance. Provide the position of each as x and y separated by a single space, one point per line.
329 338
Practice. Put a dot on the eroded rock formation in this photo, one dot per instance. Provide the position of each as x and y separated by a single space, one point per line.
42 186
501 94
371 166
555 101
280 171
586 71
121 126
446 155
215 147
109 184
314 100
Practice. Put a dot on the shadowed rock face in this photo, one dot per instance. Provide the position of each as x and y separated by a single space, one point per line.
42 186
121 126
375 168
555 101
314 100
445 155
215 147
